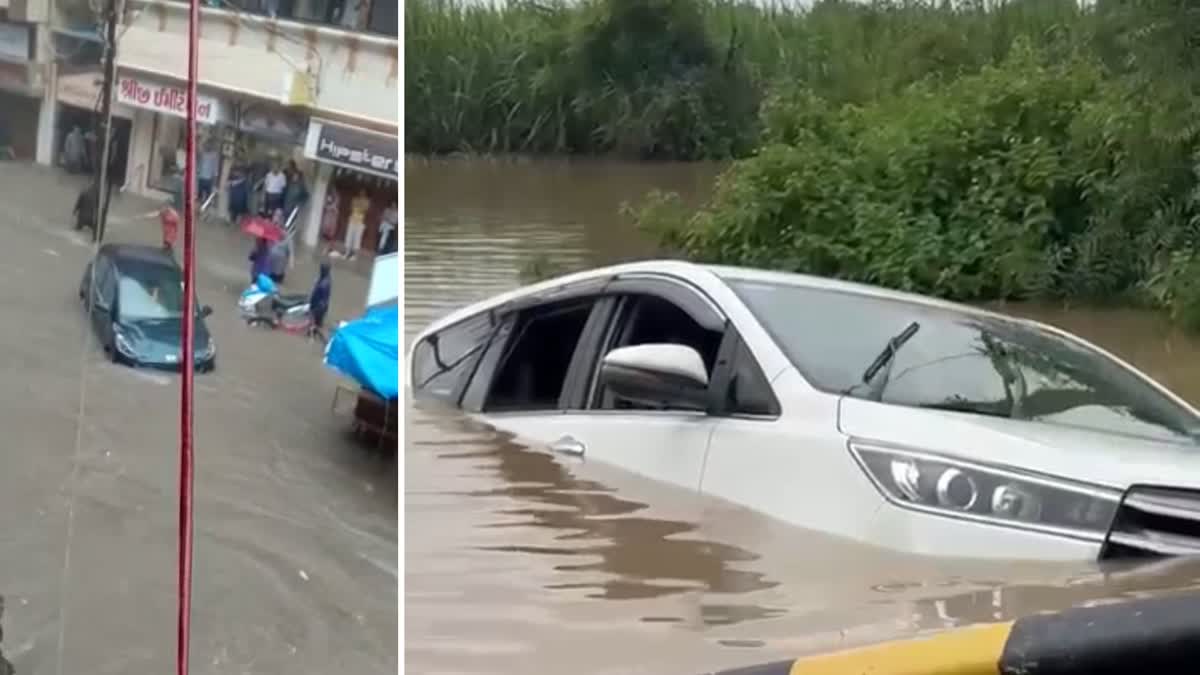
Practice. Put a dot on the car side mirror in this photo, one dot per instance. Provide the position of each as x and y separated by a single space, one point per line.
667 375
205 311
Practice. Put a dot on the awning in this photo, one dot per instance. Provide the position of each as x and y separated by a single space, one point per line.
367 350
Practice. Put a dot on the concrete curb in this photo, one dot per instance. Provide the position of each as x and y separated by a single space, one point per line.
1157 635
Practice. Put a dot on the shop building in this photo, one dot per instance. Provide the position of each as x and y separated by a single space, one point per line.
76 98
270 85
352 161
22 89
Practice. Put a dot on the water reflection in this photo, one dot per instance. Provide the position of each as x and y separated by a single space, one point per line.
598 540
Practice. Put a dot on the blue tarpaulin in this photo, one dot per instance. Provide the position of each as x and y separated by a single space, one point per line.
367 350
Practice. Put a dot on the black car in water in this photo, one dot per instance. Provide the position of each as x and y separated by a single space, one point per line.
136 308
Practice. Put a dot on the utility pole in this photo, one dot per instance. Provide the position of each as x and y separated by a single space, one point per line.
110 20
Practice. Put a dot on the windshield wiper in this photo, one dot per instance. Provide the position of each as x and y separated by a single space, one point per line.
885 359
964 407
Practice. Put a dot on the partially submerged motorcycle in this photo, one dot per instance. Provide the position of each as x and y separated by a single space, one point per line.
263 305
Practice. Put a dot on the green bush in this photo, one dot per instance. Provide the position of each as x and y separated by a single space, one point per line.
1013 182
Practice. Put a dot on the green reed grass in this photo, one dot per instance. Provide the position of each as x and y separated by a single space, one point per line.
515 77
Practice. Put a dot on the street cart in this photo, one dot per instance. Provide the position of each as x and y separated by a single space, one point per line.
366 350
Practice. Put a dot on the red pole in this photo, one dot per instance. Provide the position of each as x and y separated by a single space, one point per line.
188 357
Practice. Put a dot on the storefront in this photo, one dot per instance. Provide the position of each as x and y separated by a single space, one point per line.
78 96
21 91
268 135
159 130
354 162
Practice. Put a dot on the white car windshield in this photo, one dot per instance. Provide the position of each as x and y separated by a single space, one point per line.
150 292
958 361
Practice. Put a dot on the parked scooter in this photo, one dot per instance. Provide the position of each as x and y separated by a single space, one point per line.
263 305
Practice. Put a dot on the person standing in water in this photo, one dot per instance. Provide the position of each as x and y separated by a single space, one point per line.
207 171
74 151
318 300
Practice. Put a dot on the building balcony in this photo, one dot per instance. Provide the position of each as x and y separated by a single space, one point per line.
380 17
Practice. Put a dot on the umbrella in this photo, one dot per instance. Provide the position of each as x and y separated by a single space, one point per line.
265 228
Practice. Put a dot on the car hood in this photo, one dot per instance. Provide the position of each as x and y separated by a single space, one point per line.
164 334
1111 459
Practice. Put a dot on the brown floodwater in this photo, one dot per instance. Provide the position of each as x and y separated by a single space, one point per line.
519 562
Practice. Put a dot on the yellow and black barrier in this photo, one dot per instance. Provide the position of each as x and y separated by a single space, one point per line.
1157 636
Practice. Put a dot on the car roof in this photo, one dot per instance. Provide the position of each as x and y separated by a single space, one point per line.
703 274
752 275
137 253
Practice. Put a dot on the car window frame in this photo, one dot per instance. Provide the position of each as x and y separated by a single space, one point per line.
474 390
456 394
105 286
733 351
687 297
484 376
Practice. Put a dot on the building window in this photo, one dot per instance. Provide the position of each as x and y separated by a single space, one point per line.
385 18
375 16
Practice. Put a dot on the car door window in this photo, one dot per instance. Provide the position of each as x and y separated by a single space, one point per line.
108 288
748 391
649 319
443 362
100 280
533 370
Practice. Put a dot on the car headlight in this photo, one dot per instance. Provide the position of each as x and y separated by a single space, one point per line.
989 494
123 344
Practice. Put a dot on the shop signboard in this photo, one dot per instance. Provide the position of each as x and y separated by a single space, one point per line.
15 42
167 99
357 149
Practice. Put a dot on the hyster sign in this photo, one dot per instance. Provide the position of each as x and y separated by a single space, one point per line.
167 99
354 148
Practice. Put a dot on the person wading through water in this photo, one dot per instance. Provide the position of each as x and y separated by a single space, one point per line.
318 301
168 220
85 207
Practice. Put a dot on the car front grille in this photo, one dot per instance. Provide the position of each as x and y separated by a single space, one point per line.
1154 522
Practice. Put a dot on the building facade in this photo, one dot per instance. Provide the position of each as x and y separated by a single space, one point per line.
26 78
311 82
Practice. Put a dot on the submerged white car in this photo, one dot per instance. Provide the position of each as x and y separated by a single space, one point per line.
888 418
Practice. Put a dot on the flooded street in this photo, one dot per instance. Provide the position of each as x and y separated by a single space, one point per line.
520 562
295 567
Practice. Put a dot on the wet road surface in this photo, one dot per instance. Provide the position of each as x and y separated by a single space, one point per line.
296 533
520 562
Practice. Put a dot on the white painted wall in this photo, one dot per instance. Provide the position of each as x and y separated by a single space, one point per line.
356 74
